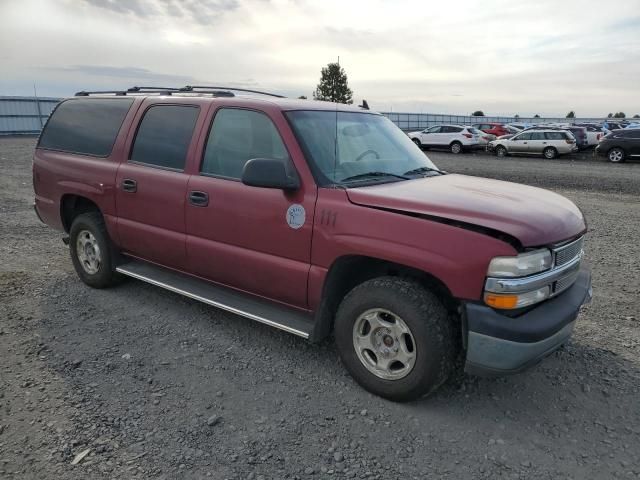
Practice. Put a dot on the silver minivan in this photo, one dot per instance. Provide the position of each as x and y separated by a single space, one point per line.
549 143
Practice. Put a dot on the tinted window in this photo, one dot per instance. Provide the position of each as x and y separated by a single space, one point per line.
448 129
523 136
537 136
85 126
435 130
164 135
633 133
555 135
237 136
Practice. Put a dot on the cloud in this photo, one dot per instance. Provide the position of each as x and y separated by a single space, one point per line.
203 12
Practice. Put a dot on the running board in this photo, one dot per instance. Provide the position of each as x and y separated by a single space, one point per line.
278 316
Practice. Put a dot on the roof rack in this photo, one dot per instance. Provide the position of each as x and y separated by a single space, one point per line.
215 91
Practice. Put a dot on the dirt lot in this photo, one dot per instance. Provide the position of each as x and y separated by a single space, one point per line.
159 386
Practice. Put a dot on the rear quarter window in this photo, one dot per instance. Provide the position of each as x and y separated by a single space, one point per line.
85 126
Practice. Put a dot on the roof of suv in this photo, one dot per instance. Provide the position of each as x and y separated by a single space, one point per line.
248 100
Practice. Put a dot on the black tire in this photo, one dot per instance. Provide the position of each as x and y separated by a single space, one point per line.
549 153
455 148
616 155
501 151
431 329
417 142
105 276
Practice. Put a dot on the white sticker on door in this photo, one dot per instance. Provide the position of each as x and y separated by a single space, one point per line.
296 216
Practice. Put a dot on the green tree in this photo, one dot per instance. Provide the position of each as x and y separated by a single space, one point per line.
302 97
333 86
610 115
571 114
516 116
536 116
636 116
620 115
478 113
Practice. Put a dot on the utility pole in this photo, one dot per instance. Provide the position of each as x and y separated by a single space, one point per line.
35 94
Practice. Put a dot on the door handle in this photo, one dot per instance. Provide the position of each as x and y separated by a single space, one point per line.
198 199
129 185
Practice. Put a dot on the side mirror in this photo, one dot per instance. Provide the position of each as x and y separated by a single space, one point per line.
268 173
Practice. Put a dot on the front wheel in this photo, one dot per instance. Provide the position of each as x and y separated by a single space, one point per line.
417 142
501 151
456 147
92 252
395 338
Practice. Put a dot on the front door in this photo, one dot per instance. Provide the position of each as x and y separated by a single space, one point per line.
254 239
520 143
430 136
151 185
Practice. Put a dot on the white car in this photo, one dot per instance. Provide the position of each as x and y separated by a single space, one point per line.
455 138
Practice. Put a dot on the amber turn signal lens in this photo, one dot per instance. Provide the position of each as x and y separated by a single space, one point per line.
501 301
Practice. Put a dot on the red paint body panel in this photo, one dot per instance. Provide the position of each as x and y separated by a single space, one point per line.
441 250
534 216
242 239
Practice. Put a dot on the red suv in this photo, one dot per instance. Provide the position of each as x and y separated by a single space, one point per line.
496 129
318 219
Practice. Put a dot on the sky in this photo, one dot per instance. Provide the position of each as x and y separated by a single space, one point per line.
502 57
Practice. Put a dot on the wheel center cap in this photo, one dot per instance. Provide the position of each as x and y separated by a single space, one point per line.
387 340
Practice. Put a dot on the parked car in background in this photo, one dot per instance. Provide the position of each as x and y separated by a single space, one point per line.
594 133
455 138
611 125
518 126
620 145
579 133
496 129
547 142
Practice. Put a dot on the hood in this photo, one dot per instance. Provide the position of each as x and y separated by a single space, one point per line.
532 215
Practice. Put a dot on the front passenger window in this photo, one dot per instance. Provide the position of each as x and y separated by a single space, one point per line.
236 137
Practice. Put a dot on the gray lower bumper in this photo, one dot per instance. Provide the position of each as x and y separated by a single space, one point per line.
499 345
489 355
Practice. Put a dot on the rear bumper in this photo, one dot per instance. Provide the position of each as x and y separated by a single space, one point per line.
501 345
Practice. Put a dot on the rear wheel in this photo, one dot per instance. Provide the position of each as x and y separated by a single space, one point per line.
456 147
395 338
417 142
550 153
616 155
501 151
92 252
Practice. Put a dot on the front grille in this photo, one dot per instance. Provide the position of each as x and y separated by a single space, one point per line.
565 253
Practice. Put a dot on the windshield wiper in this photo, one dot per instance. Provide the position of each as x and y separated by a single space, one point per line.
423 170
362 176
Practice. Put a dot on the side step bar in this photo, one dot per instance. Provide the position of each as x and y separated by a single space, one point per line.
288 319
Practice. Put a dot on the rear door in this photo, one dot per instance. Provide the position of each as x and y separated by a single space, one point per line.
537 143
151 184
253 239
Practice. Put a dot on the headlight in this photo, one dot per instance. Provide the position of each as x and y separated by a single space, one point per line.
522 265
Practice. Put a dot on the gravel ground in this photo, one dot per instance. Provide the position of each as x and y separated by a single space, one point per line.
154 385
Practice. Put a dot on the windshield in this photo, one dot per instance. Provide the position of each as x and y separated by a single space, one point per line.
359 147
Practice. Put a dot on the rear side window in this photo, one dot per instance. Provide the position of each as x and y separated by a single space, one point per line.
164 136
555 135
537 136
236 137
85 126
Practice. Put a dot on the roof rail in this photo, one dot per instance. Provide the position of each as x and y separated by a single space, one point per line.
216 91
193 88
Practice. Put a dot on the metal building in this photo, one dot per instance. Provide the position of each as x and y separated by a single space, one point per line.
25 115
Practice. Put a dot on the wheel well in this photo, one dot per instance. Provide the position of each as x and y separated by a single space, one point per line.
350 271
73 205
455 141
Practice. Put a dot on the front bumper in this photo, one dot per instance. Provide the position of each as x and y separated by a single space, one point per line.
500 345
